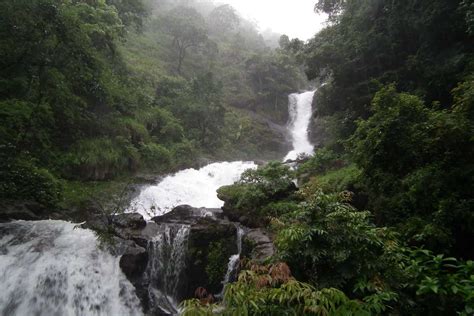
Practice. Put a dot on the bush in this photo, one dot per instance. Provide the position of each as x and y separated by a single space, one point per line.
270 290
346 178
416 161
329 243
21 179
155 157
256 189
100 159
217 260
322 161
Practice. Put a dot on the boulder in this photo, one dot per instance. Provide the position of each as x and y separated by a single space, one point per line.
185 214
129 220
17 211
257 245
211 243
212 240
133 262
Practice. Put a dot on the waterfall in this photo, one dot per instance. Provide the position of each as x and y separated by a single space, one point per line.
52 268
164 273
233 261
190 186
300 111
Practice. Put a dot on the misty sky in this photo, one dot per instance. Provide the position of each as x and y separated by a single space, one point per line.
295 18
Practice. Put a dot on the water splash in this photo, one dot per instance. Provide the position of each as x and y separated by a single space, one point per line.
189 186
300 110
53 268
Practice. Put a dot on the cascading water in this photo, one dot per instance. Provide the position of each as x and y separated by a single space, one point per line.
53 268
300 110
167 253
233 260
189 186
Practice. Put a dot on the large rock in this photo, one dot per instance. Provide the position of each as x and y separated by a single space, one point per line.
27 210
211 243
133 262
185 214
129 220
212 240
257 245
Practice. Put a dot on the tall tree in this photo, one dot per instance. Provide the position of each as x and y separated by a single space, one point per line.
223 19
187 28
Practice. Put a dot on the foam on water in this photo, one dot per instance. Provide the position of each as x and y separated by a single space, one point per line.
52 268
300 111
195 187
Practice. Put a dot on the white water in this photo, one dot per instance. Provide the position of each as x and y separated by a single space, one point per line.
167 253
233 260
190 186
300 110
50 268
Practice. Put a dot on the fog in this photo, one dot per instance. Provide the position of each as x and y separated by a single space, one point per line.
295 18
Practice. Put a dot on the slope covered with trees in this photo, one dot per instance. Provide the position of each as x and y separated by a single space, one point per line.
95 90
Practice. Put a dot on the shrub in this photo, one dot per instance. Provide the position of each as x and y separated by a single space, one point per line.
21 179
100 158
217 260
257 188
270 290
155 157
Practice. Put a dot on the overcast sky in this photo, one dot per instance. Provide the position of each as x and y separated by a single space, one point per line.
295 18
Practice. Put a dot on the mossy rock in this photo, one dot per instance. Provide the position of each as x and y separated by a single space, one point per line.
211 243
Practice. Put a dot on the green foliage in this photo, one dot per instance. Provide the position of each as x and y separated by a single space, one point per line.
217 259
101 158
269 291
347 178
21 179
433 150
423 47
323 160
257 188
445 280
155 157
187 28
223 19
328 242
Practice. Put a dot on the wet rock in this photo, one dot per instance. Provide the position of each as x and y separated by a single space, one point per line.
185 214
133 262
212 240
20 210
257 245
211 243
129 220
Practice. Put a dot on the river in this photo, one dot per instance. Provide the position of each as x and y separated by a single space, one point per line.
54 268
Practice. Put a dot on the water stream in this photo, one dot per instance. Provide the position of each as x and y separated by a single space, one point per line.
233 261
167 253
52 268
195 187
300 110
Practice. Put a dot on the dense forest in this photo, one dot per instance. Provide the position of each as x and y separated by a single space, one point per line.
99 90
381 221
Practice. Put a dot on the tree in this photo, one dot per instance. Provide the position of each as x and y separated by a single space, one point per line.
223 19
284 41
187 28
422 46
416 162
